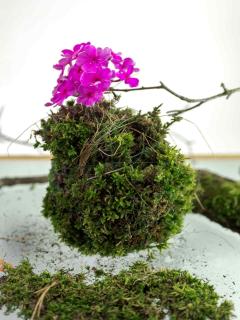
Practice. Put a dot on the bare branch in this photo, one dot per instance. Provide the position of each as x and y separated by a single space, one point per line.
197 102
4 137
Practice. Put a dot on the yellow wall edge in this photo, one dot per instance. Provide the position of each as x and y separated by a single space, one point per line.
195 157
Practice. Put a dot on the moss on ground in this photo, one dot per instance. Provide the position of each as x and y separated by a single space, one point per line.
132 295
219 199
116 185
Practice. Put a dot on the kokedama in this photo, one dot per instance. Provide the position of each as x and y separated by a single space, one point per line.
116 184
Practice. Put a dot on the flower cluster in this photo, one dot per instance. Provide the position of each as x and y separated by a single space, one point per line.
87 72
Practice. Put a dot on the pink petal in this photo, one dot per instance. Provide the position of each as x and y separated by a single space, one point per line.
82 58
91 50
133 82
128 62
64 61
86 79
58 66
67 52
104 86
89 67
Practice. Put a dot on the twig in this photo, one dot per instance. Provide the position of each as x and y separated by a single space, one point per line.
22 180
38 306
199 202
197 102
20 240
106 173
201 134
4 137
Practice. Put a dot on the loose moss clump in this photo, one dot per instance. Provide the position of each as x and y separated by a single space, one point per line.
219 199
135 294
116 185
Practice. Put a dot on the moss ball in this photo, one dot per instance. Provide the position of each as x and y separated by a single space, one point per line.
116 185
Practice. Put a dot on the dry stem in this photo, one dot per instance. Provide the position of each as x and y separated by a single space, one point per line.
196 102
38 306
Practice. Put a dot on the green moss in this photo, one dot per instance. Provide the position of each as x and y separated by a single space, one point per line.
116 185
132 295
219 199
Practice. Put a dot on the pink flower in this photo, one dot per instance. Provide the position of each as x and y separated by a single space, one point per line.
63 90
69 56
89 95
126 77
91 57
75 73
101 78
86 72
73 54
116 59
125 71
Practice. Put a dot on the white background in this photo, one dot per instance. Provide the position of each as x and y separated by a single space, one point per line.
192 46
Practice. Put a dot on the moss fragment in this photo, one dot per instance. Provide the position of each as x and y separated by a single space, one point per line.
116 185
219 199
132 295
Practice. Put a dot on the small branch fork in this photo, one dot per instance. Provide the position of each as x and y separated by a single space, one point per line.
196 102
